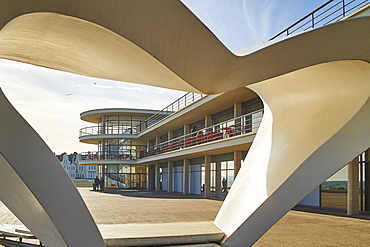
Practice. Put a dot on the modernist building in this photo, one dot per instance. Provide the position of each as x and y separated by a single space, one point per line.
191 146
314 86
168 149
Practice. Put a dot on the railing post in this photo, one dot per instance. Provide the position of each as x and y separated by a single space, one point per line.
313 20
344 7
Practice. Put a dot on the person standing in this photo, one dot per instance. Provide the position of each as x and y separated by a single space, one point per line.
97 183
102 185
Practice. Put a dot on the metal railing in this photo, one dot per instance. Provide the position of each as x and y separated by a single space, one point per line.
119 129
126 154
329 12
248 123
175 106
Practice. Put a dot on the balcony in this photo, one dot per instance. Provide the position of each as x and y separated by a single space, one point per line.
246 124
121 155
129 127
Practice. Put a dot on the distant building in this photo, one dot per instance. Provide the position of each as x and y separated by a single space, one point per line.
72 166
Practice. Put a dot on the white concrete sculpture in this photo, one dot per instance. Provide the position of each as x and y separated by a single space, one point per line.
35 187
315 121
314 86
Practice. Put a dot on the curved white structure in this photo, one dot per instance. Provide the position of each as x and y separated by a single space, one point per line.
51 208
315 87
315 121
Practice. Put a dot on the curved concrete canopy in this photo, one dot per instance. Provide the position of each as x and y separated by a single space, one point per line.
170 35
168 39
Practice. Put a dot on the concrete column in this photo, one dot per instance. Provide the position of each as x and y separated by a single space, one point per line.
170 135
157 178
156 141
218 178
169 175
186 177
352 192
367 180
208 120
237 162
186 129
237 109
103 175
207 178
147 178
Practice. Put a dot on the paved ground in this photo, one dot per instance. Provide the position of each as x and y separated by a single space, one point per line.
297 228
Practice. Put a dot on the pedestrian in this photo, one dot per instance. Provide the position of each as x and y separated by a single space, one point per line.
97 183
94 186
224 185
102 185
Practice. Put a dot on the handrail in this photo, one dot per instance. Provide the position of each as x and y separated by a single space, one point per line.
122 154
118 129
339 9
248 123
175 106
245 124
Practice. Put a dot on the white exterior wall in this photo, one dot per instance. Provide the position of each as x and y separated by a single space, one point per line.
77 171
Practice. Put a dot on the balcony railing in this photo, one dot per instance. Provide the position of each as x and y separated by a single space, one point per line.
175 106
248 123
119 129
329 12
245 124
126 154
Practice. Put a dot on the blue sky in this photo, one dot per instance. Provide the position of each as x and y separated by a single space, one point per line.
51 101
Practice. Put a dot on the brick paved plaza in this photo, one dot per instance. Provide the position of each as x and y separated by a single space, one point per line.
297 228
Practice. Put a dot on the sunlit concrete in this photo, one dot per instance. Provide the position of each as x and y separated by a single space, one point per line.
315 121
161 43
36 188
175 51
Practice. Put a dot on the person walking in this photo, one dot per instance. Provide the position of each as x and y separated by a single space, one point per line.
97 183
224 185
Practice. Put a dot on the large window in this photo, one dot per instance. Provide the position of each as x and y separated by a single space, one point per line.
251 105
223 115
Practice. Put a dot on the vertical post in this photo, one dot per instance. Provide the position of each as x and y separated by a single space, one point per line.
207 120
185 174
157 177
237 162
367 179
313 20
218 178
207 176
352 191
237 109
169 177
148 177
344 8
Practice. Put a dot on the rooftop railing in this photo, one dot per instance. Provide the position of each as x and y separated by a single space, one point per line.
329 12
248 123
175 106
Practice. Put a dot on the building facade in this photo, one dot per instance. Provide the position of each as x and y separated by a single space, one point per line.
195 145
72 166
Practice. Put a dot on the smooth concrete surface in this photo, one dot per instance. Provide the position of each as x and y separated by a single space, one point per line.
177 51
309 115
36 188
176 45
161 233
